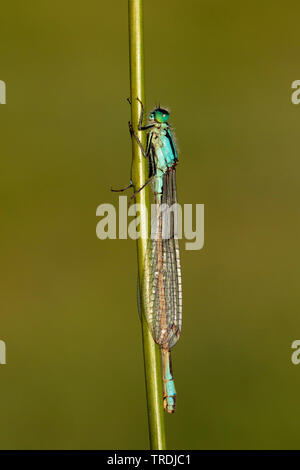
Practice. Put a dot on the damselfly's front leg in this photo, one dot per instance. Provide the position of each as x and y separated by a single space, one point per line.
140 128
133 133
144 152
130 185
140 124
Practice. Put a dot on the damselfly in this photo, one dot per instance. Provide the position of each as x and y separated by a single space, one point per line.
162 290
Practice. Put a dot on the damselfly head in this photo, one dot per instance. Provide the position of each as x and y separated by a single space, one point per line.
159 115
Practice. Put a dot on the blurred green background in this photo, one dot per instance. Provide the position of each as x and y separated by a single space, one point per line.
74 376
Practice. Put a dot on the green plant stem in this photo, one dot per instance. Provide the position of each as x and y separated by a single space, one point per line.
152 360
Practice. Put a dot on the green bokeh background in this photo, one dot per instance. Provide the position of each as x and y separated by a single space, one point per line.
74 374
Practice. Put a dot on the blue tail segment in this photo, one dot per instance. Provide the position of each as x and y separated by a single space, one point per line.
168 382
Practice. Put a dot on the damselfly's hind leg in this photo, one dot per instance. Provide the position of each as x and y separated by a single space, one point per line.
122 189
131 186
142 187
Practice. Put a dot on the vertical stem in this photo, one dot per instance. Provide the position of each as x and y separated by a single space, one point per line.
152 359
